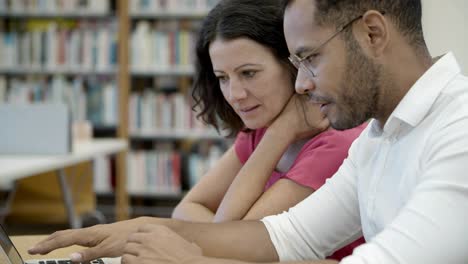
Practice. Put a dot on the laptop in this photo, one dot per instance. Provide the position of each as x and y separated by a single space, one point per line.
9 255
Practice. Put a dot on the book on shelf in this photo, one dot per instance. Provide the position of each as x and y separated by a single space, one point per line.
159 171
161 46
199 162
102 101
87 98
3 88
158 111
160 6
156 171
51 7
58 45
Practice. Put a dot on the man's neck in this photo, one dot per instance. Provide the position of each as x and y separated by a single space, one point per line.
398 79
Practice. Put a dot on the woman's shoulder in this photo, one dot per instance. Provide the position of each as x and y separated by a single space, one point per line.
338 139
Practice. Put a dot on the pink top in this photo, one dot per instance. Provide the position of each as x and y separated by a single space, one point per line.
317 161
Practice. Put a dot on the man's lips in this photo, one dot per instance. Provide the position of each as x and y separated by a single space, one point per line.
324 104
319 100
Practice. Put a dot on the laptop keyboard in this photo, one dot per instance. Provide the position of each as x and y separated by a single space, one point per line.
96 261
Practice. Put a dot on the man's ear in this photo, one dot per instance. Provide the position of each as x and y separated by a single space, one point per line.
373 33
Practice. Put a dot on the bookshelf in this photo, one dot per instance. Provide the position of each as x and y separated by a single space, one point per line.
162 126
69 50
136 50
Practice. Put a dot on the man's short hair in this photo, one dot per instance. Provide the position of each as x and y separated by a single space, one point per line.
406 14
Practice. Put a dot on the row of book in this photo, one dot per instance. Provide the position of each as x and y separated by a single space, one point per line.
160 170
155 171
151 111
148 6
59 45
200 161
161 46
55 6
94 99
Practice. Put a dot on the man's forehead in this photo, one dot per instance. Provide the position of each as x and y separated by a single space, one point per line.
303 10
300 29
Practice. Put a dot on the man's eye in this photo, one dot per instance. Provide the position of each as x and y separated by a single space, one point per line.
312 57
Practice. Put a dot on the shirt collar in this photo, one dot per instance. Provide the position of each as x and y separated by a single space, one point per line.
419 99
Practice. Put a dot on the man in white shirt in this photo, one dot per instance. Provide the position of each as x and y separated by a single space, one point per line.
404 185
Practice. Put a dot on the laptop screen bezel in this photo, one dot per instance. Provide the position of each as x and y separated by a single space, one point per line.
6 242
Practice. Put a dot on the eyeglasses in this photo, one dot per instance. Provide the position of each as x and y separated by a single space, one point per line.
305 63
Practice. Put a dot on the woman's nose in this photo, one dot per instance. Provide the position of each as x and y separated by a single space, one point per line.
236 91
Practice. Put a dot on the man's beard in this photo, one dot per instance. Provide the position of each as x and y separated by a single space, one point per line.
359 89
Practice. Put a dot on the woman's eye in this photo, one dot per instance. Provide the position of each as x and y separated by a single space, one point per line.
221 79
249 74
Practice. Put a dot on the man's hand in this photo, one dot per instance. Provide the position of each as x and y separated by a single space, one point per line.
102 240
159 244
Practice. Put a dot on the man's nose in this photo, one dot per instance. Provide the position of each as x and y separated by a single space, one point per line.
304 83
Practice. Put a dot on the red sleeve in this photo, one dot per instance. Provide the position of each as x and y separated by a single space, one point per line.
241 146
321 157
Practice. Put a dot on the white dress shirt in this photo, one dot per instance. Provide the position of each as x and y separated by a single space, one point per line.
405 188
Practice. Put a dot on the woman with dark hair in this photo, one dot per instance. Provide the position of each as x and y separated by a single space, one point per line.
284 149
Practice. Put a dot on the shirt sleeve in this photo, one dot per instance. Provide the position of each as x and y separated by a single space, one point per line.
321 158
324 222
431 228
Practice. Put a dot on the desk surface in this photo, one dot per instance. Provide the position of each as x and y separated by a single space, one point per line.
16 167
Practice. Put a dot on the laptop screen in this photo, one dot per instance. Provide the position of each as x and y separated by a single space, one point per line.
9 249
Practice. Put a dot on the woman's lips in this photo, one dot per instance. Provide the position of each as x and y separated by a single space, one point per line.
248 110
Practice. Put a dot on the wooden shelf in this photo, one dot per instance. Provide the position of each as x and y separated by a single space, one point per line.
123 75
